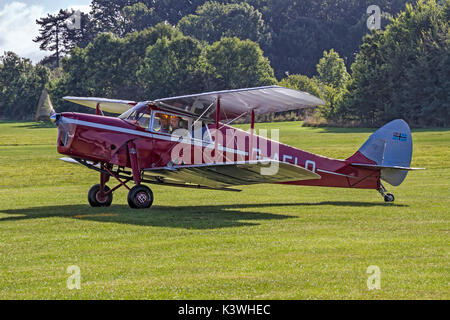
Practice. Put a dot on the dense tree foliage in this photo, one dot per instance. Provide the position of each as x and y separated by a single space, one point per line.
21 85
159 62
115 15
108 66
403 72
178 63
138 17
147 49
302 30
331 70
239 64
292 33
213 20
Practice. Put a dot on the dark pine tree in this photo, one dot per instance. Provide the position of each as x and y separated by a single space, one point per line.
61 32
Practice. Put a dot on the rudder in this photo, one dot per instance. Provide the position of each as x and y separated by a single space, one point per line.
390 147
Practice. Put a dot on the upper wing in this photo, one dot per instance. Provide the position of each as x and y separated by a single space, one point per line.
224 175
235 103
107 105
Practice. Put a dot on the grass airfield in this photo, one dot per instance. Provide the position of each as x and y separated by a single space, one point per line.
267 242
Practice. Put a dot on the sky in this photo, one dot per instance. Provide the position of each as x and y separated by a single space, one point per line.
18 25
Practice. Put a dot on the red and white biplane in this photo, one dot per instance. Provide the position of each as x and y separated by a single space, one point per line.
188 141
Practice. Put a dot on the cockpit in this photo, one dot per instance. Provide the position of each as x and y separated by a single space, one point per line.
165 122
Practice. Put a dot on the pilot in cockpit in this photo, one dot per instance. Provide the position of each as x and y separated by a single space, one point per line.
165 124
175 123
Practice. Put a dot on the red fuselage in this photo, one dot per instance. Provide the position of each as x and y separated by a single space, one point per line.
105 139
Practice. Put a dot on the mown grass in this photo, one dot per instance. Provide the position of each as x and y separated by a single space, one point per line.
267 242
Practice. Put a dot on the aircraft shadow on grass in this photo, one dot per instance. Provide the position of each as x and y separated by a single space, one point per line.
186 217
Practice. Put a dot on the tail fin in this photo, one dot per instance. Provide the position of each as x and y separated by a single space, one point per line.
390 150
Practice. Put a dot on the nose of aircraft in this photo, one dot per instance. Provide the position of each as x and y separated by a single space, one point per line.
55 118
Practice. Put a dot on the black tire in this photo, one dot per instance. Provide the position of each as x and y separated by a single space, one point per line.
389 197
140 197
93 197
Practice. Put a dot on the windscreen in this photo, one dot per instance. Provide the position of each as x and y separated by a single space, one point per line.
139 116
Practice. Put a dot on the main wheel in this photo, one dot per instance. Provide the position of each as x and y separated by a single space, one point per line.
96 200
140 197
389 197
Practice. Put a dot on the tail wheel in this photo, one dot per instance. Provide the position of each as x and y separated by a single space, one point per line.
389 197
95 198
140 197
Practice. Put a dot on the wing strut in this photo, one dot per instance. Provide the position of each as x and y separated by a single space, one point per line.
252 137
98 110
216 146
132 151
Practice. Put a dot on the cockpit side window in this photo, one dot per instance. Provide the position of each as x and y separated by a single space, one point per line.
169 123
175 124
161 123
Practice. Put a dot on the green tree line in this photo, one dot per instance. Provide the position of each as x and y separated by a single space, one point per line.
293 34
21 85
144 50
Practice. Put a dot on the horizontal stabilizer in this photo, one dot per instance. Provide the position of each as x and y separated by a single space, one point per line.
377 167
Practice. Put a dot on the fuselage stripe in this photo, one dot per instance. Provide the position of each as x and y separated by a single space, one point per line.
145 134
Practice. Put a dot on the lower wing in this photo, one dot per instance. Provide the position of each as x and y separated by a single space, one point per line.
224 175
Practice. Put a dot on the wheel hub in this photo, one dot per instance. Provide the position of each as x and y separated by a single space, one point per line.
142 198
99 197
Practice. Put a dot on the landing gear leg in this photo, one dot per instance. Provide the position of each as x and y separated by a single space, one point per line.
100 195
388 197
